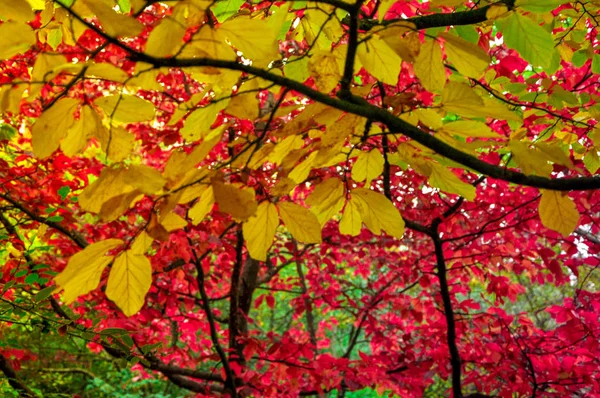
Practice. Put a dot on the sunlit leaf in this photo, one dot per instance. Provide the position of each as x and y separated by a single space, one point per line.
558 212
83 272
302 224
259 230
128 282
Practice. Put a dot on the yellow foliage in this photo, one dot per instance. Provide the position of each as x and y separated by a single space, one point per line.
558 212
378 213
16 10
327 199
461 99
351 222
259 230
83 272
126 108
378 58
129 280
429 67
166 38
447 181
52 126
202 207
114 24
302 224
368 166
470 59
327 69
235 200
17 37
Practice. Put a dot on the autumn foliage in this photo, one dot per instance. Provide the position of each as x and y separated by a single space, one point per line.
289 198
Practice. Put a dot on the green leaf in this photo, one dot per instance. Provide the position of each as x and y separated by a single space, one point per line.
447 181
7 132
596 64
63 192
21 273
32 278
44 294
530 40
539 5
124 6
55 37
224 9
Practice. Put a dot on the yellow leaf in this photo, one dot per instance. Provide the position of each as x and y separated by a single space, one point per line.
327 69
17 37
384 6
283 148
297 69
116 143
283 187
81 131
368 166
109 184
234 200
10 98
145 75
128 282
83 272
378 213
301 171
470 59
172 222
496 11
45 64
351 223
141 243
166 38
17 10
107 71
126 108
327 199
447 181
553 151
259 230
558 212
460 98
145 178
52 126
253 37
491 108
429 67
209 43
202 207
197 125
379 59
530 160
470 128
114 24
198 155
302 224
115 206
407 46
315 25
429 117
244 104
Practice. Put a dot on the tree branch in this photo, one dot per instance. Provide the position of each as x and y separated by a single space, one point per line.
13 379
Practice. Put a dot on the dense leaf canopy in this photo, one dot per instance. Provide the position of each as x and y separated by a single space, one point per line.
301 198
